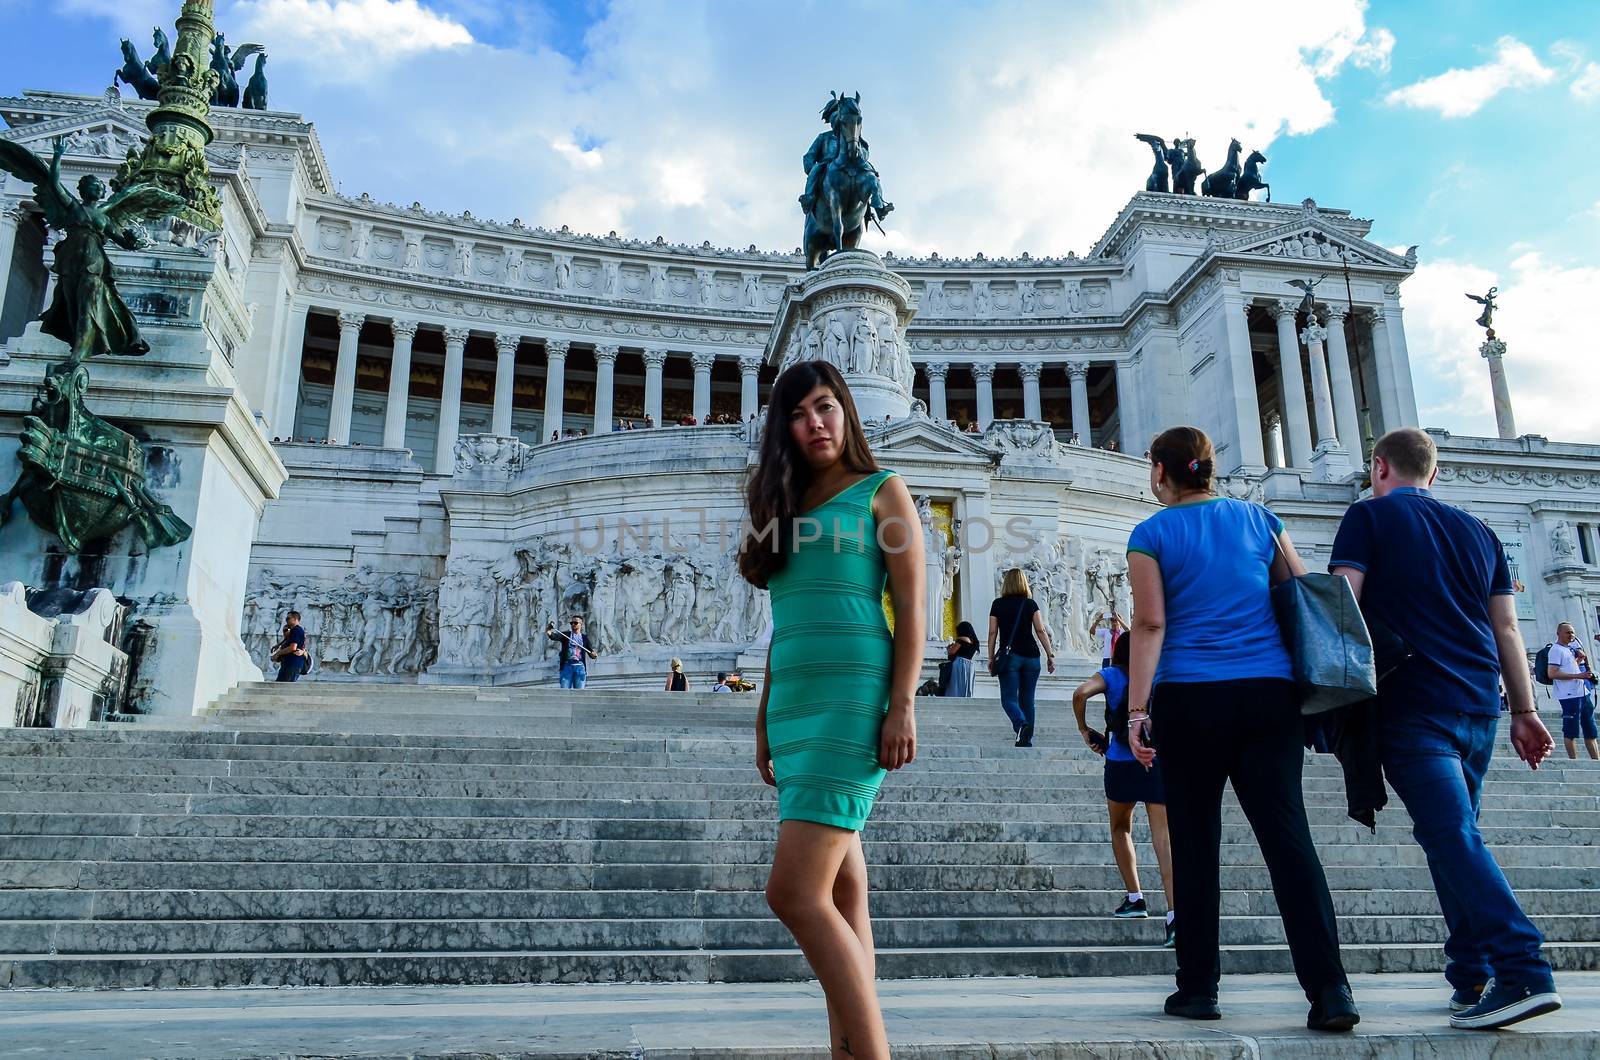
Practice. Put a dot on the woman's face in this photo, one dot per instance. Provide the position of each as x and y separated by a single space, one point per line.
816 426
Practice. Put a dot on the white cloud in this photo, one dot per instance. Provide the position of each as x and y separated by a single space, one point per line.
1549 354
1373 52
1586 86
1462 92
346 35
1003 129
132 17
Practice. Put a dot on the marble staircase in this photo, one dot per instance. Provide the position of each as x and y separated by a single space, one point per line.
319 834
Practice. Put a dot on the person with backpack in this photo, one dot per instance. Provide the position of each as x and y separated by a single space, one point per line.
1565 667
1127 784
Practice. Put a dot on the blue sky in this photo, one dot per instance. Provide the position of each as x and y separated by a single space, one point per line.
999 127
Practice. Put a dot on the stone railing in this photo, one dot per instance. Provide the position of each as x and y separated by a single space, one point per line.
59 668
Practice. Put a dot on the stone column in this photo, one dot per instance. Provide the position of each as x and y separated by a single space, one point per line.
1078 377
749 378
11 216
1273 427
1030 389
1346 416
654 358
455 355
605 365
286 402
1128 406
1405 398
984 375
937 370
1383 362
394 413
1297 432
1242 382
1321 395
505 376
344 378
1494 350
702 363
555 386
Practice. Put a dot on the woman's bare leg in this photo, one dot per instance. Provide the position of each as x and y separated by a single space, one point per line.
850 898
806 868
1163 844
1122 843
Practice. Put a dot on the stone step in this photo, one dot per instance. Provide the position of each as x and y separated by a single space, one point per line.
276 826
396 875
729 966
245 904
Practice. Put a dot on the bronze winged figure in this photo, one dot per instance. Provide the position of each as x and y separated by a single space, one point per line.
1486 318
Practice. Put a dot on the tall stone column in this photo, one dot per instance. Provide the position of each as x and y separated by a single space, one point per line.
455 356
1242 382
983 374
1405 398
749 379
937 370
1383 361
1297 432
555 386
1346 416
1272 427
286 402
1321 395
702 362
1128 405
1031 408
505 377
654 358
11 216
1494 350
605 366
1078 378
344 378
394 412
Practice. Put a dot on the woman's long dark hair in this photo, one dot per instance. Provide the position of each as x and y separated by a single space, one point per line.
777 487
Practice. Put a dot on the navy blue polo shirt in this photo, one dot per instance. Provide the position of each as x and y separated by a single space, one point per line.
1430 570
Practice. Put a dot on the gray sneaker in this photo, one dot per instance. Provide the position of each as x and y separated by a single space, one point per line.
1503 1005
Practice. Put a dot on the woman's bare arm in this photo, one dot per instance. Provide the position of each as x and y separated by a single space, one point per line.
900 537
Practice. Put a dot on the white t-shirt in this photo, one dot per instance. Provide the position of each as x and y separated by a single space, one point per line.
1562 659
1105 642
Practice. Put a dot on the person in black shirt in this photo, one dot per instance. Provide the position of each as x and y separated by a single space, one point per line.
1015 621
957 673
290 652
676 681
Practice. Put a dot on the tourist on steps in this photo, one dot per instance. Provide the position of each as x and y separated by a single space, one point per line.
676 681
1127 783
1014 618
1437 578
1571 677
828 529
958 672
575 652
290 652
1223 709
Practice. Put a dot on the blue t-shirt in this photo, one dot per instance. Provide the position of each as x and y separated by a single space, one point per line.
1117 750
1430 570
1216 561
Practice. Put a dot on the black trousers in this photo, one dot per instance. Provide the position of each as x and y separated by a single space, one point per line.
1247 732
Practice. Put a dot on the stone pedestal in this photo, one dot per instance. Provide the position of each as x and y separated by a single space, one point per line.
852 312
208 457
58 670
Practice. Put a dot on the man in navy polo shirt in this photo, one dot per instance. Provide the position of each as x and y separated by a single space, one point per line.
290 652
1437 578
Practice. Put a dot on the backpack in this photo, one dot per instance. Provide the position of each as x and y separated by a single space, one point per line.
1541 666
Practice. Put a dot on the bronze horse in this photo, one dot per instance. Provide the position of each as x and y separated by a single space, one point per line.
1224 182
1251 180
135 73
1185 174
839 215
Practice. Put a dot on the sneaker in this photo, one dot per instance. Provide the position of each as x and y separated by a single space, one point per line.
1129 909
1025 736
1192 1007
1465 997
1503 1005
1172 936
1334 1010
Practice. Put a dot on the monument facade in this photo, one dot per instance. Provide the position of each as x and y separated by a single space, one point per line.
431 433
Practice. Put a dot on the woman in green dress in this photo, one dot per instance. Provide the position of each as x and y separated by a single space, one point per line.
829 529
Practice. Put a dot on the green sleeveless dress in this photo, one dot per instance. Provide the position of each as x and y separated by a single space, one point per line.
831 657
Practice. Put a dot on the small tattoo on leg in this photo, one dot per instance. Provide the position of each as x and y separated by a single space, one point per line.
844 1044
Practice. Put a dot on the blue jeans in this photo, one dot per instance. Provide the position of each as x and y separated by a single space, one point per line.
1018 677
573 675
290 667
1435 762
1577 716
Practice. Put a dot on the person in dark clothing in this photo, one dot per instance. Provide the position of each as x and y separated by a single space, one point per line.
290 652
575 652
1015 618
676 681
1223 710
1437 578
957 671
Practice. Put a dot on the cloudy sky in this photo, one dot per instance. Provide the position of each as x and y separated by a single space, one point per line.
1465 127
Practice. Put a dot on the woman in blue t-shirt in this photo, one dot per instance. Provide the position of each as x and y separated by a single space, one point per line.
1128 783
1210 684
